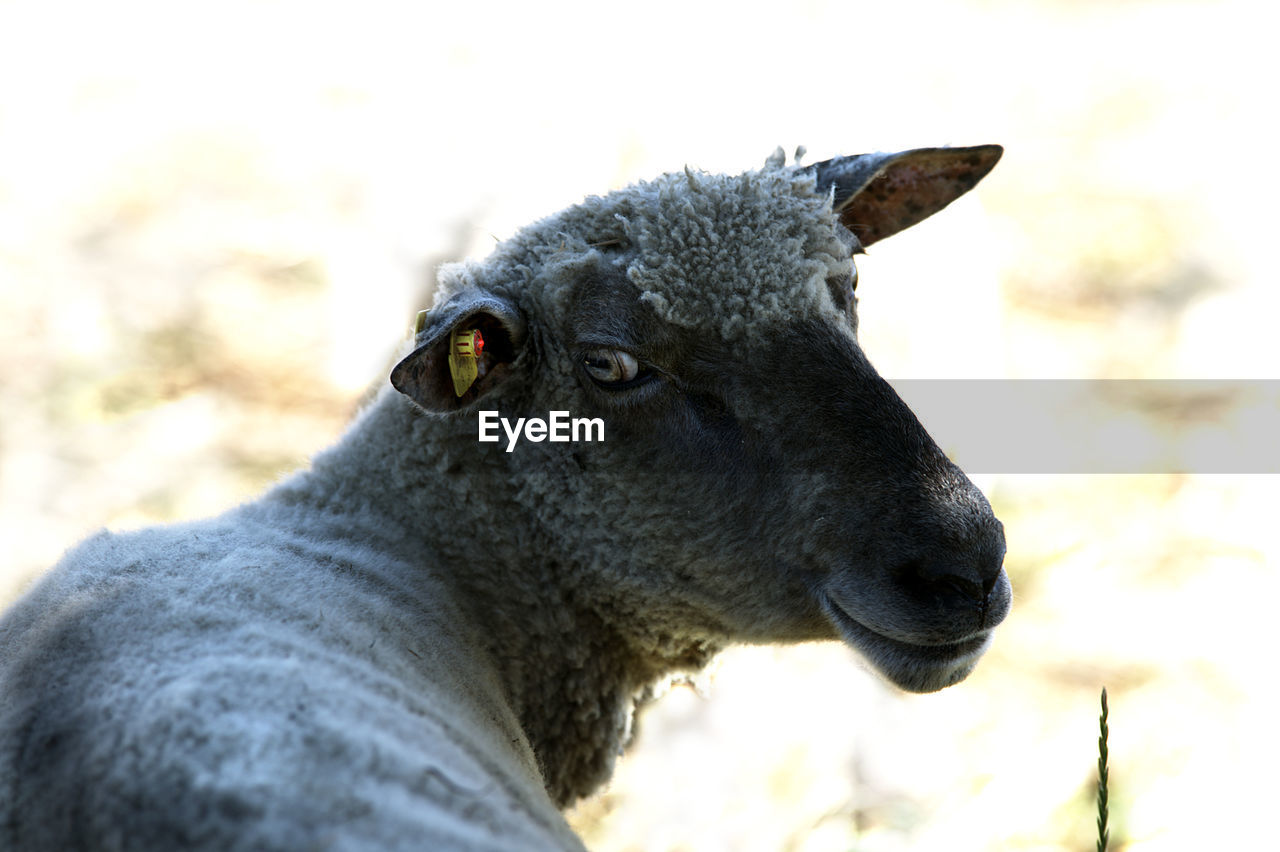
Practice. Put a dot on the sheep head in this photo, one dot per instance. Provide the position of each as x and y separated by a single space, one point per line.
758 481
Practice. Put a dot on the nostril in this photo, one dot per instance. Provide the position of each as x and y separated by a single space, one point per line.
957 576
995 600
944 583
960 589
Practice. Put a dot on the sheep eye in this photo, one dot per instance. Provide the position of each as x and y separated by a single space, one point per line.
611 366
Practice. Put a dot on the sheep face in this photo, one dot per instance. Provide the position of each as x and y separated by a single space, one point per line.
758 480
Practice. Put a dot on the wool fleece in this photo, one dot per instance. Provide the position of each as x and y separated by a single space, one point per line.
725 254
423 640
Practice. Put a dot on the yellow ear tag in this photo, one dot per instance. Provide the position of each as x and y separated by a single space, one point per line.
464 349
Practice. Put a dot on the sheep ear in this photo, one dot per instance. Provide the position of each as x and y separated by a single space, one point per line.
877 195
426 375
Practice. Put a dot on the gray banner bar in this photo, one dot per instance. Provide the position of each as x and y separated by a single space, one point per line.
1102 426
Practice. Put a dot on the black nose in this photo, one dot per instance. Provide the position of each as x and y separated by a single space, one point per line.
961 574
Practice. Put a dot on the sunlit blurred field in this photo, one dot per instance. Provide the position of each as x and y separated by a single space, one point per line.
217 221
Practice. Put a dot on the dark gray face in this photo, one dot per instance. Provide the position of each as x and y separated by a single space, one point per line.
759 481
798 496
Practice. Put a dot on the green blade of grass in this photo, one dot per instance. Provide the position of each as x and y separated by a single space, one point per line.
1103 832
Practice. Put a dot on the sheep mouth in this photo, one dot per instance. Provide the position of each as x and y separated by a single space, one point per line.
909 666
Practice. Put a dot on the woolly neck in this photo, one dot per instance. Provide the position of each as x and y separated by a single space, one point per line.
571 666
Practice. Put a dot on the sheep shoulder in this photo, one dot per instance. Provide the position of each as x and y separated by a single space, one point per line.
258 680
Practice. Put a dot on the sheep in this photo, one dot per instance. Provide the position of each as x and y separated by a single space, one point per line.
426 640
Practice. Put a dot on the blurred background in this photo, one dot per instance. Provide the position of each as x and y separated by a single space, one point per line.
217 222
